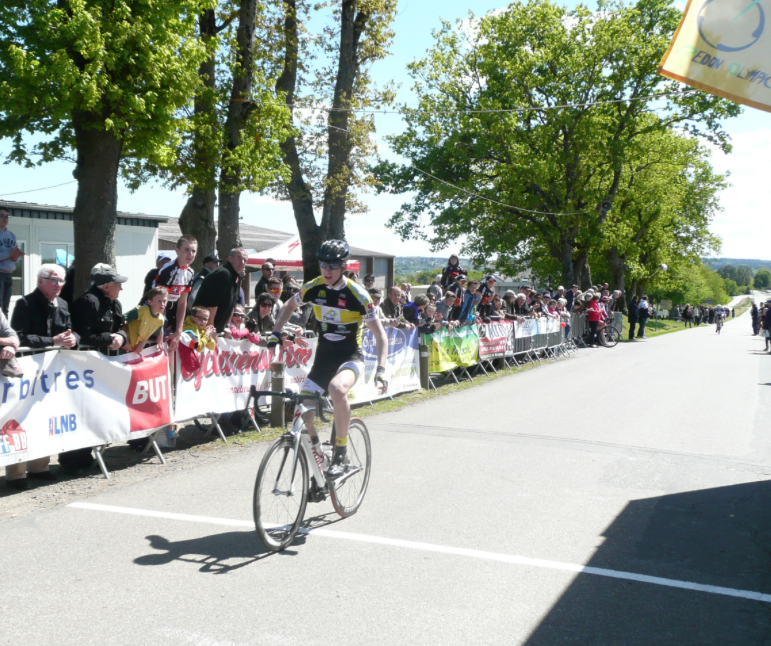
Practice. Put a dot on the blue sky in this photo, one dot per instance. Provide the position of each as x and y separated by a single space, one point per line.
744 225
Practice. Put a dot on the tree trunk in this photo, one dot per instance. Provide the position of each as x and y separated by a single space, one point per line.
566 261
581 269
239 109
95 213
617 264
338 171
299 191
197 217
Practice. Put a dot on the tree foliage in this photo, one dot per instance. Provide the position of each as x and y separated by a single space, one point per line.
103 78
525 187
329 155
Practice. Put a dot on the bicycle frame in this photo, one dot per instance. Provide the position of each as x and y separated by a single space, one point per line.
302 440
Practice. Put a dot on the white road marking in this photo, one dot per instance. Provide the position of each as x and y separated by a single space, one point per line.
441 549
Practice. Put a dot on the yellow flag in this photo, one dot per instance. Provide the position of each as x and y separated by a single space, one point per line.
722 47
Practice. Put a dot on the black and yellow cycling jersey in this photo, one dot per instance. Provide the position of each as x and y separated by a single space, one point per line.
341 311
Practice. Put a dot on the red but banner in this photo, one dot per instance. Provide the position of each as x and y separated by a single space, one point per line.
148 397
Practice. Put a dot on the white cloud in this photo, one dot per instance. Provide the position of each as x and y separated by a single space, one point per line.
744 224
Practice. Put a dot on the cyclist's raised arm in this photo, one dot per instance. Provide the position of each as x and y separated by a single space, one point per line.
381 341
286 311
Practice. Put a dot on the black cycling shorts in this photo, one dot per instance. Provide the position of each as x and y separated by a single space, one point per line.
331 359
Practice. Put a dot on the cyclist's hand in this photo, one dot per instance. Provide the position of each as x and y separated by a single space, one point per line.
380 380
275 338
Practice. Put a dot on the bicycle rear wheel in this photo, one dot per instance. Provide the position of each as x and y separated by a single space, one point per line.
280 495
347 492
610 336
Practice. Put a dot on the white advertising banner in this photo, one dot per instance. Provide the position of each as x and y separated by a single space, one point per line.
402 367
528 327
69 400
548 325
221 382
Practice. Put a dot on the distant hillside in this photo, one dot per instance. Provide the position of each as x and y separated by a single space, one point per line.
405 265
717 263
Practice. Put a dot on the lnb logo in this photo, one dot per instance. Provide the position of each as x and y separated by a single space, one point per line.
726 30
61 424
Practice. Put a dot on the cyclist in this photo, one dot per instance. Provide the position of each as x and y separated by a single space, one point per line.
719 317
341 307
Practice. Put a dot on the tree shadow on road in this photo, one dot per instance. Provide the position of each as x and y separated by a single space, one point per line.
719 537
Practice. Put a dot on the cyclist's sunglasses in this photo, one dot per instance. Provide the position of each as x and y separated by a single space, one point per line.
330 265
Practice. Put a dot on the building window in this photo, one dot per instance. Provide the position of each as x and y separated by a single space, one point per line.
18 273
57 253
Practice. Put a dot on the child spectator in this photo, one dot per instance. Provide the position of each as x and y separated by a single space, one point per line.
452 271
471 299
238 329
197 335
147 320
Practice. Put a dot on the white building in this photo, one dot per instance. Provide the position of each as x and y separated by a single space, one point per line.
45 234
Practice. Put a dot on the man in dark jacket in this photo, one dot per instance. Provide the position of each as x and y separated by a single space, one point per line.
267 269
41 318
210 263
97 316
219 290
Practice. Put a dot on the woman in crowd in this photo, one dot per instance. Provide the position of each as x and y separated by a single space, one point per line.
263 314
551 309
594 316
452 271
687 315
564 314
498 311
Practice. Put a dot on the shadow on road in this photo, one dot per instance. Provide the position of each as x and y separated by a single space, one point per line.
221 553
216 554
716 536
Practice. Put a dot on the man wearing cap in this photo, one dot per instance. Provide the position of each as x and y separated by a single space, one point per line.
377 298
160 261
97 316
210 263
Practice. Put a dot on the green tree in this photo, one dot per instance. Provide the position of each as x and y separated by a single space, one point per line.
230 143
329 154
474 170
762 279
102 78
729 271
744 275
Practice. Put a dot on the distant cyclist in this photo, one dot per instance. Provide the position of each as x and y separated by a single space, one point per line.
719 317
341 307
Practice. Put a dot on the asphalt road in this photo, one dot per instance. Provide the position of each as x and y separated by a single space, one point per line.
618 497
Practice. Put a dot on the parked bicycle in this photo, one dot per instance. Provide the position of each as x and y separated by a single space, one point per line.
609 335
292 473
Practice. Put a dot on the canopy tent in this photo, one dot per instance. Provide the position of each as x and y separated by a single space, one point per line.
288 256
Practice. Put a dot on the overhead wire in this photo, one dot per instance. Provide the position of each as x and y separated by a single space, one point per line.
34 190
482 197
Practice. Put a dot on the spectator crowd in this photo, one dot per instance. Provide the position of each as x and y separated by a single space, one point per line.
189 311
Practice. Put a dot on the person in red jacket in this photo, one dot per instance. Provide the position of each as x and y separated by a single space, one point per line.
594 315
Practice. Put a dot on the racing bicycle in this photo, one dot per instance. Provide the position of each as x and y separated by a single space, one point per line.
291 474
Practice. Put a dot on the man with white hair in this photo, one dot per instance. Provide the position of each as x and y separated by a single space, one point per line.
41 318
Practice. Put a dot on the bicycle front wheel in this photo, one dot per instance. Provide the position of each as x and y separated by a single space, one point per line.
348 491
610 336
280 495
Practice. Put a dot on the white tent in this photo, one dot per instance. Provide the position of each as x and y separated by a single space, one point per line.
288 256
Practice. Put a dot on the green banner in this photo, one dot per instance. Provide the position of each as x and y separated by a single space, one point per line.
448 350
